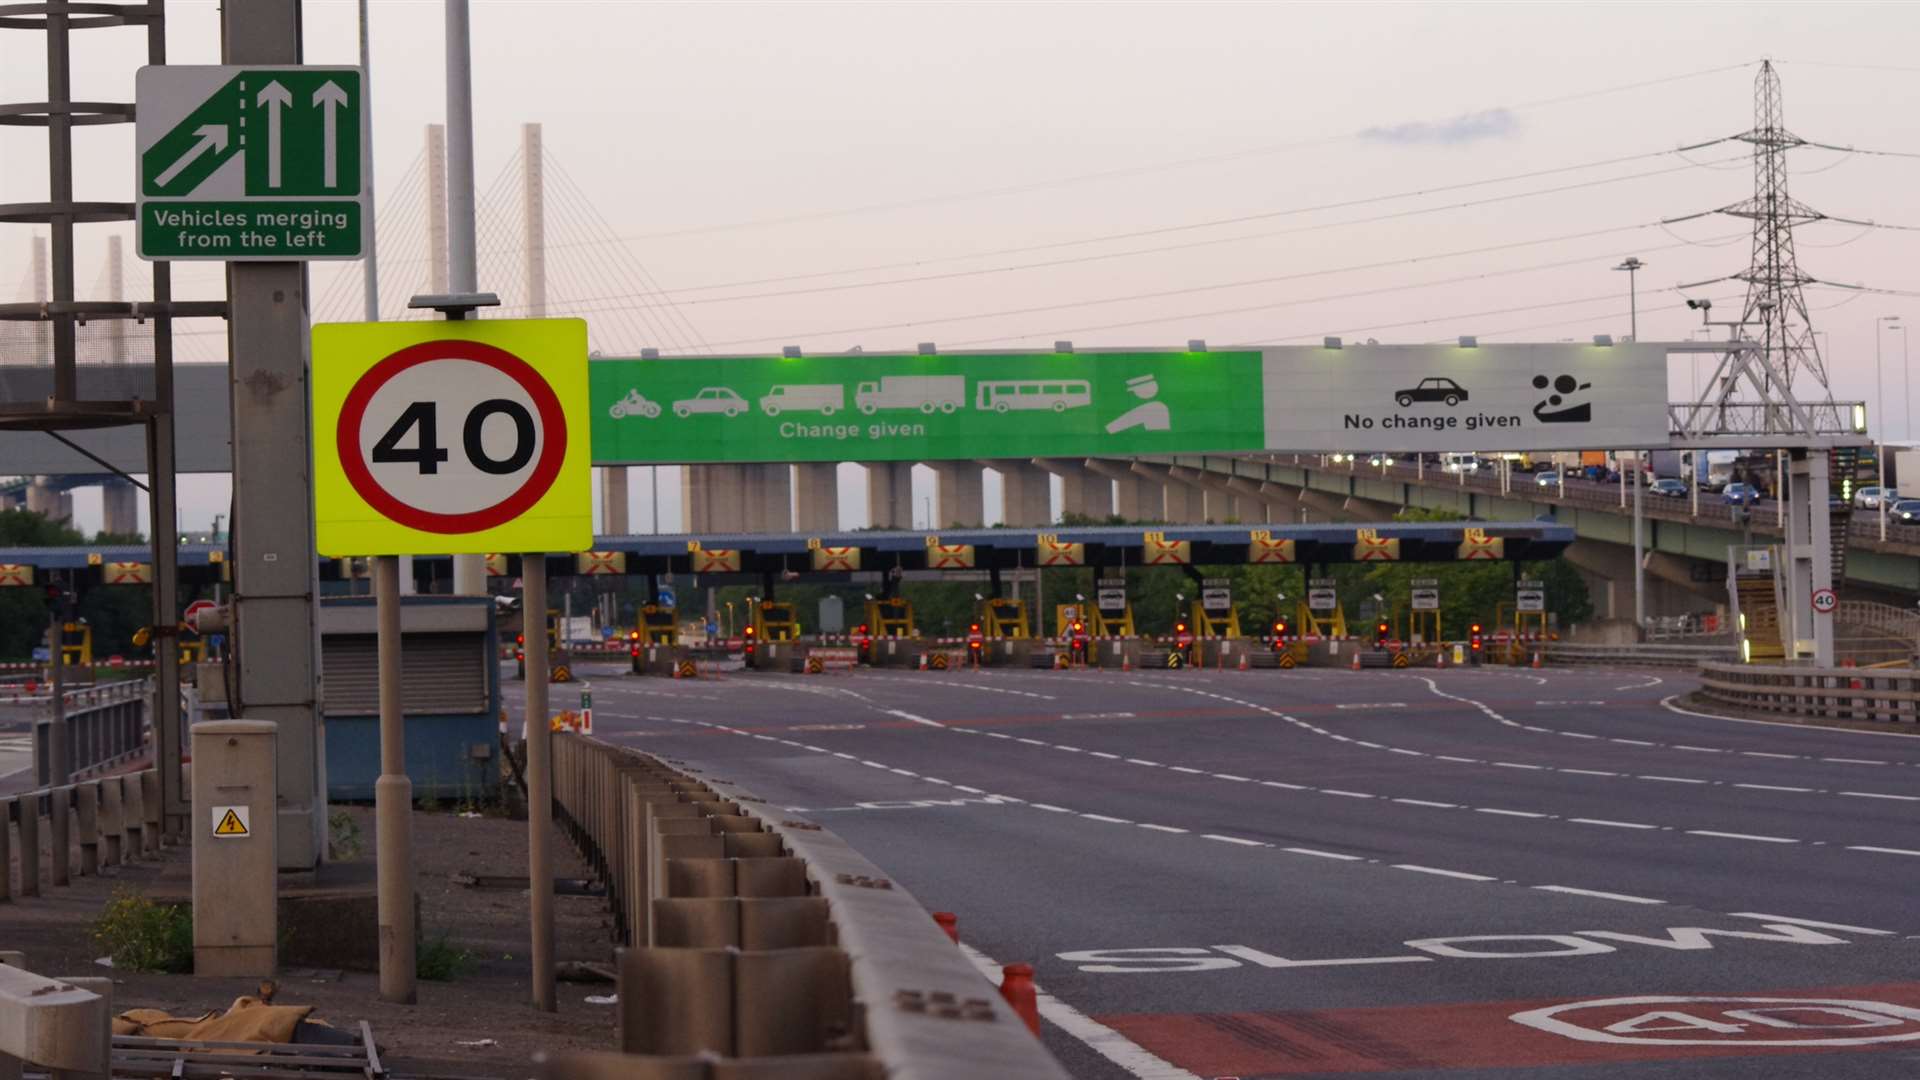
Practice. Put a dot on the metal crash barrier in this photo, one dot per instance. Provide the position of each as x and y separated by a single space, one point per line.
1862 694
760 946
106 726
1643 655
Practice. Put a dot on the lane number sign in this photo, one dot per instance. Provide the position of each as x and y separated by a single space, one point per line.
1825 601
451 437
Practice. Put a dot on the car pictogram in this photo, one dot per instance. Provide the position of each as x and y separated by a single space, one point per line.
1434 389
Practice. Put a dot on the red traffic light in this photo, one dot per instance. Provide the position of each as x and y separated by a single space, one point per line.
519 639
973 628
749 631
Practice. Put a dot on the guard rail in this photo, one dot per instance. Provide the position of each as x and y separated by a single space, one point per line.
106 727
1646 654
110 821
1861 694
764 939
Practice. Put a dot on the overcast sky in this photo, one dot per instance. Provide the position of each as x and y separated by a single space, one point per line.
1135 174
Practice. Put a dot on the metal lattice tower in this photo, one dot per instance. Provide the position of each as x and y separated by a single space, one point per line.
1753 390
1776 306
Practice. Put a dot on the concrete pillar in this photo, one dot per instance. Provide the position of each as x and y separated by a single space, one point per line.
1186 503
533 218
615 516
736 498
1140 499
700 509
1083 491
120 506
890 495
436 209
116 290
768 497
816 497
42 498
958 499
1026 494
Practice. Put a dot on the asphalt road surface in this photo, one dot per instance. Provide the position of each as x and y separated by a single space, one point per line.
1460 874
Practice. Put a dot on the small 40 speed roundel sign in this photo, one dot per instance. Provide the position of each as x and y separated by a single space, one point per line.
451 437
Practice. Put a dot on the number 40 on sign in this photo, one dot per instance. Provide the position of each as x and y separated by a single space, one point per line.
451 437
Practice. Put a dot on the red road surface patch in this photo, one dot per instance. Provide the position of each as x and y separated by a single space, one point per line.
1436 1038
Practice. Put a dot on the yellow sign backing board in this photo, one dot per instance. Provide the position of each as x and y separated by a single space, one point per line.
456 437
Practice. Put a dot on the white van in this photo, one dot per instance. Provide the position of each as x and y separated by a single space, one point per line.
1469 463
823 398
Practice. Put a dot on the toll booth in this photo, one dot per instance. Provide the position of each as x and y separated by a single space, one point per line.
1002 618
1319 614
1528 622
1215 614
1112 614
559 654
76 643
773 620
450 695
891 617
659 624
1423 616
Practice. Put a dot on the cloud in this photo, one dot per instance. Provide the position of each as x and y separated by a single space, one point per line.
1455 131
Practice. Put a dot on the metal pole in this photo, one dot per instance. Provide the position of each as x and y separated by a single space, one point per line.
162 514
370 265
393 799
1885 492
469 571
1639 549
59 755
533 605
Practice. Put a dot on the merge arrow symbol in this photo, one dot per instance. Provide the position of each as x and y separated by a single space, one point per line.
330 98
275 98
212 137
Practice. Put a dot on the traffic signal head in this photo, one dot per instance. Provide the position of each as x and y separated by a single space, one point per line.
1279 628
1078 626
973 628
1180 628
519 639
749 631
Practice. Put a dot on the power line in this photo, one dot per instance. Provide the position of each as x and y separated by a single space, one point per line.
1140 170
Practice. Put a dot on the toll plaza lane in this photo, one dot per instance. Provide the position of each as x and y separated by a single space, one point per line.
1208 886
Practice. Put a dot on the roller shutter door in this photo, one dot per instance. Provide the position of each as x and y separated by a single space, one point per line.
440 674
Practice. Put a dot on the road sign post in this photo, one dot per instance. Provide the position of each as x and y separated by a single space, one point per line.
250 162
461 437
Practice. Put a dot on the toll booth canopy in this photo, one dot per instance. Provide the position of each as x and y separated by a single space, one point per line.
450 695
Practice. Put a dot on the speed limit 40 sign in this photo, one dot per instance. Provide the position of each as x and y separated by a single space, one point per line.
459 438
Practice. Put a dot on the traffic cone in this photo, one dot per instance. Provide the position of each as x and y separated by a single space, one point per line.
1126 659
1356 659
1016 986
1536 659
1440 656
923 661
1243 660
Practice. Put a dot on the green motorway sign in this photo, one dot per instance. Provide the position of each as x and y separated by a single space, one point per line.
876 407
241 164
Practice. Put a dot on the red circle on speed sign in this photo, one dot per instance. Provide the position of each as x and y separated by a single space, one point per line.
552 432
1824 601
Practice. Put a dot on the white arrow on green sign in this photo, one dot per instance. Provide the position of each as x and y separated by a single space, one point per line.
249 164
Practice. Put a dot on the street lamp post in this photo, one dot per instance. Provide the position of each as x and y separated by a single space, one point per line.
1632 265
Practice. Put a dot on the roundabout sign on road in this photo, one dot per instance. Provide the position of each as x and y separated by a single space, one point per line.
451 437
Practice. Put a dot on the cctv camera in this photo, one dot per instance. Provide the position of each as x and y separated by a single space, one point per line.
1700 305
